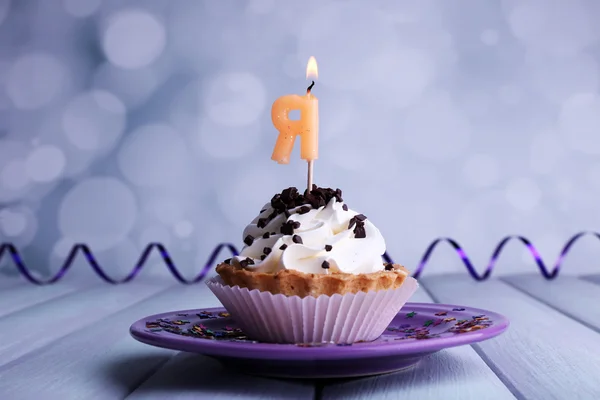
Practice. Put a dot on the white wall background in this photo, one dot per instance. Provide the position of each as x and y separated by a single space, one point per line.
128 122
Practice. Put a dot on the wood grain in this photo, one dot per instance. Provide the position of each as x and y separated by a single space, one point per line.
570 295
457 373
103 362
543 355
36 327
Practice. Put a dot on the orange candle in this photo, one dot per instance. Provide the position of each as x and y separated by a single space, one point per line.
307 127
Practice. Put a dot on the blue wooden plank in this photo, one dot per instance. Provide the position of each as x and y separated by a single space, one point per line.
543 355
35 327
188 376
594 278
27 295
453 374
570 295
103 362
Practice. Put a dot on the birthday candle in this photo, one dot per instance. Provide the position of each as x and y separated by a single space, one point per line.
307 127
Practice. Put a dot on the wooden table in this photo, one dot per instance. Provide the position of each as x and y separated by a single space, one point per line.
71 341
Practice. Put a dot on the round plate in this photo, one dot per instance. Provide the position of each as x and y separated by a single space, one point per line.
418 330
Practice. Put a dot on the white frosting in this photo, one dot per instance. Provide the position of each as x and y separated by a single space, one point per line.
319 227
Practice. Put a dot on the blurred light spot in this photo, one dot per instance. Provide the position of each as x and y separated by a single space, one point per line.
94 120
401 76
260 6
242 185
155 234
489 37
45 163
167 209
13 224
133 87
14 176
19 224
63 247
14 182
580 122
547 150
100 211
133 39
557 78
227 142
155 155
510 94
481 170
489 216
34 80
523 194
183 109
235 99
340 36
81 8
436 129
183 229
558 28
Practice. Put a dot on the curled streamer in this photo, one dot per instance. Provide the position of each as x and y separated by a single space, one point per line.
9 248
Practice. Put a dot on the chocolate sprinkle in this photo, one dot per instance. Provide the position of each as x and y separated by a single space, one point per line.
263 256
359 232
325 265
287 228
267 250
345 207
243 263
283 247
296 224
297 239
358 221
303 210
328 247
290 198
266 235
249 261
249 240
228 261
389 267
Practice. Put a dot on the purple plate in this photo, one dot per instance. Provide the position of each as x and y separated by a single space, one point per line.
418 330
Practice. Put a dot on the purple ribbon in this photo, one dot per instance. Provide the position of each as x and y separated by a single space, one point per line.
548 273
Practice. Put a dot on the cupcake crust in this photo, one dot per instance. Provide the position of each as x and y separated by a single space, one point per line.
296 283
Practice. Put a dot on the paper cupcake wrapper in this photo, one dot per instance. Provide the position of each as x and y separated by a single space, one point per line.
347 318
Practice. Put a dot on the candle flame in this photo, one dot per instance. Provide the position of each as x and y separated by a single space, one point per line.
311 68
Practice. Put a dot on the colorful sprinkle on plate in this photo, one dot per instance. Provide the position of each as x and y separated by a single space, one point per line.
415 331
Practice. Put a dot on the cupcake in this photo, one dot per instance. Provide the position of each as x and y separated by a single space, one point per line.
312 271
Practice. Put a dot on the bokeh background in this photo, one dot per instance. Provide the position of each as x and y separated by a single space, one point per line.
126 122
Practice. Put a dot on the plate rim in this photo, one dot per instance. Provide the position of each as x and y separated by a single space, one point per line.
275 351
